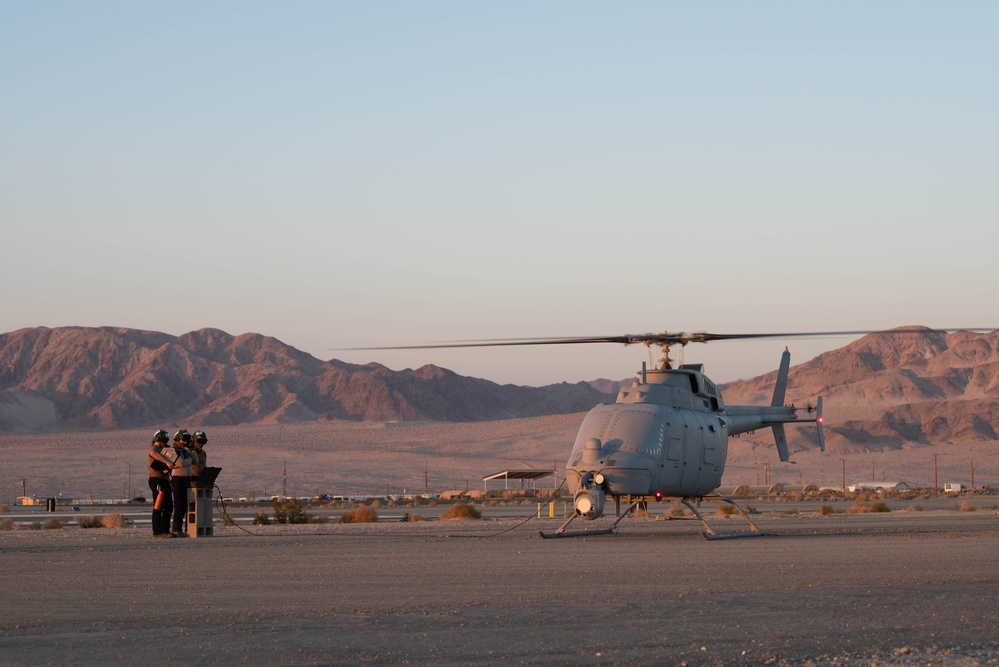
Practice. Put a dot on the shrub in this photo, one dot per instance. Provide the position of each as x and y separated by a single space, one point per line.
915 507
461 512
375 504
676 512
113 521
52 523
826 510
290 510
726 510
261 519
965 506
7 524
227 520
4 508
91 521
861 507
362 514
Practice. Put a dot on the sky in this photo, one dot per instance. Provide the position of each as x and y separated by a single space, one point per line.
360 174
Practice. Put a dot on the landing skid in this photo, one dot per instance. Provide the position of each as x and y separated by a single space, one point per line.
708 533
585 533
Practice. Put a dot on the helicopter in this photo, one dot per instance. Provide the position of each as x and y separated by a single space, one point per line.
666 435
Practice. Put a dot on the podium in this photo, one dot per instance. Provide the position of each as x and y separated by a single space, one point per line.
199 504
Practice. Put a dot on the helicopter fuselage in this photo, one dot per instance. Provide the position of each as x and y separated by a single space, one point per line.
666 435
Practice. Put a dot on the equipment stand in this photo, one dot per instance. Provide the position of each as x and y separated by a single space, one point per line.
199 512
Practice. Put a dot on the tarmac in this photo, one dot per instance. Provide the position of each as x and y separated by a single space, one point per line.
918 588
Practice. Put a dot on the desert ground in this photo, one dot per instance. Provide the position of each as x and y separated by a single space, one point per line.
902 588
374 458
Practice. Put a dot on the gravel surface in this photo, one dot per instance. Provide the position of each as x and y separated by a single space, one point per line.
904 588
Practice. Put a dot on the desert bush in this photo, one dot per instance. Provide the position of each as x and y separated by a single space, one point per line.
726 510
227 520
676 512
861 507
34 525
91 521
113 521
261 519
52 523
915 507
461 512
965 506
375 504
826 510
432 503
7 524
4 508
362 514
290 510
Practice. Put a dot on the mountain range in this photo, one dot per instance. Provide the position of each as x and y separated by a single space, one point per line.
884 390
893 390
75 378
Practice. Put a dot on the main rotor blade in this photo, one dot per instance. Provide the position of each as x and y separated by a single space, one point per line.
663 338
504 343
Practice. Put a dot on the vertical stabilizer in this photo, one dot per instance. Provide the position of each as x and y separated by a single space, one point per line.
781 439
781 387
818 424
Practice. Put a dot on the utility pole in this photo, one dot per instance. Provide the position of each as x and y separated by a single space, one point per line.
426 479
285 487
844 474
129 496
972 475
936 486
873 478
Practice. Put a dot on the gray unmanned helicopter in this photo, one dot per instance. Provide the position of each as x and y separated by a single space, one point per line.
666 435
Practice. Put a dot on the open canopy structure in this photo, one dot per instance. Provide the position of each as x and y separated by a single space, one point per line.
507 475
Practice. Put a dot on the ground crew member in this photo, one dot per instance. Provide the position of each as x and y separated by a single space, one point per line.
199 443
180 476
159 484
